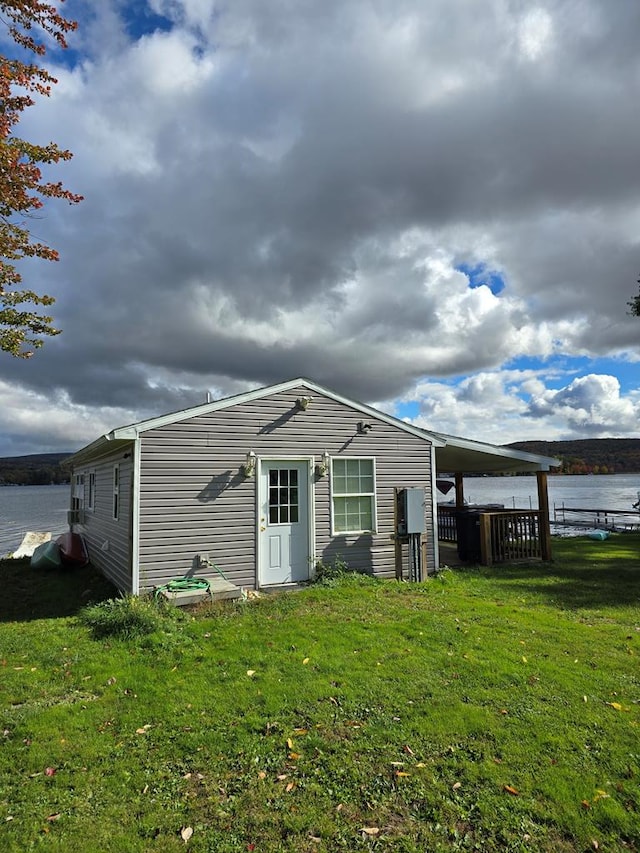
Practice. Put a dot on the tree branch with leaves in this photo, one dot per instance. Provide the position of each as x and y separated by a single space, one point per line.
634 304
22 187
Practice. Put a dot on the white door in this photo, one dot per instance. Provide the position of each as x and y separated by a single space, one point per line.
284 522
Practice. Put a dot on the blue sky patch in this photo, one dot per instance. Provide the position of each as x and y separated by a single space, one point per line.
140 20
407 410
480 274
561 370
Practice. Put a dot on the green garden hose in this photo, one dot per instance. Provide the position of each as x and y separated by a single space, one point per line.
184 585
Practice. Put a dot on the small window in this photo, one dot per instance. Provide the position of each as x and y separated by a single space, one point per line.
77 497
353 493
116 492
91 502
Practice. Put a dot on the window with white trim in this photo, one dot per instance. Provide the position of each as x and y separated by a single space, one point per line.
91 482
77 496
116 491
353 491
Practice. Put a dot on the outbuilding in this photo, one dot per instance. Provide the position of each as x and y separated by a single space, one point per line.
263 486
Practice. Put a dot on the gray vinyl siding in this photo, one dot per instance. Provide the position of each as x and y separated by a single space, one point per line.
194 498
109 540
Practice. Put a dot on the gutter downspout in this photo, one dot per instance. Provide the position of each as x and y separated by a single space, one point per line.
135 519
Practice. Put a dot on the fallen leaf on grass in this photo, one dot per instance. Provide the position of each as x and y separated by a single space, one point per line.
617 706
456 785
305 661
289 743
251 672
511 790
370 830
401 773
50 771
585 804
406 748
290 787
186 832
143 729
53 817
294 756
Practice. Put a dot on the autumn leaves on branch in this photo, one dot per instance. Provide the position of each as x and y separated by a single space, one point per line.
22 188
634 304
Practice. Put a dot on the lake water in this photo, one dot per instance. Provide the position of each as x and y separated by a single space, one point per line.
44 508
38 508
607 491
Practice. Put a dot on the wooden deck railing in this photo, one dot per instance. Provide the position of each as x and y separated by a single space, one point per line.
494 536
447 529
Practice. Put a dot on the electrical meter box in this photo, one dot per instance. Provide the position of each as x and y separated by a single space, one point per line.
410 511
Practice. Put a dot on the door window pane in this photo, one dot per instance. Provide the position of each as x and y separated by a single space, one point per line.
283 496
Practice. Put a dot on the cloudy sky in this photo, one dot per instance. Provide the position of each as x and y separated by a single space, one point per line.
430 207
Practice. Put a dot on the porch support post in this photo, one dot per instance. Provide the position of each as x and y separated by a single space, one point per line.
486 545
543 506
459 489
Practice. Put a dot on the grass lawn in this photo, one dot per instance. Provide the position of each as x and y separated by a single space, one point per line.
485 709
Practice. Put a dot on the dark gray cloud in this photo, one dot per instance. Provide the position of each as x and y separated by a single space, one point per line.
281 189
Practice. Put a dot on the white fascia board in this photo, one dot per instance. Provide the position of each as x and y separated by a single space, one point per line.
100 447
545 462
132 431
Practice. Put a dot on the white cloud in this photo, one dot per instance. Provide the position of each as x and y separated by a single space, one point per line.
291 188
535 33
591 406
511 405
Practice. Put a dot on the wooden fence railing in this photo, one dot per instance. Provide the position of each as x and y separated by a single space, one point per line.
494 536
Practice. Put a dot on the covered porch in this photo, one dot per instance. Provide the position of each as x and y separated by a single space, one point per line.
490 534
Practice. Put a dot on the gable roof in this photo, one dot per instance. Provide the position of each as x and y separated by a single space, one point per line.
126 434
441 442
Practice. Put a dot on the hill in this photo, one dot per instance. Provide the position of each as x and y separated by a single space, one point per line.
38 469
581 456
589 455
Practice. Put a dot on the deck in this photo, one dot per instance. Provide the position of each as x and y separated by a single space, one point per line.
488 535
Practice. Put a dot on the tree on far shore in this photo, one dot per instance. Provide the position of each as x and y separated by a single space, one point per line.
22 188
